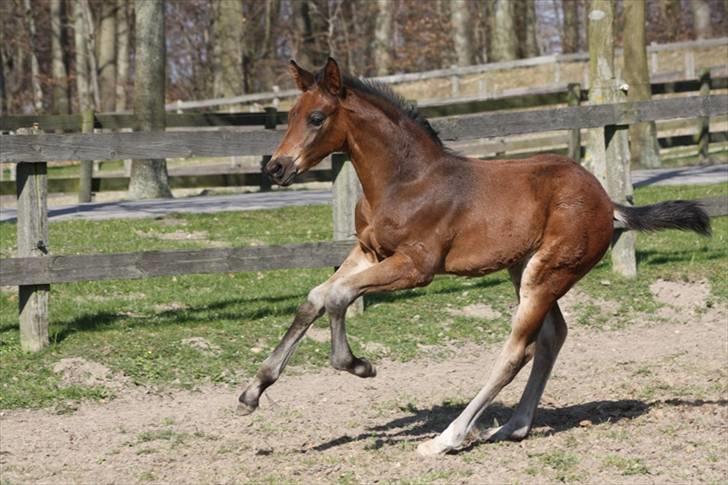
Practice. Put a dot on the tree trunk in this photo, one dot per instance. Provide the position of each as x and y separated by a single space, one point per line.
643 136
106 55
58 65
3 94
149 178
34 67
502 42
82 70
529 38
90 37
122 53
383 38
228 49
459 17
608 149
570 31
701 19
309 29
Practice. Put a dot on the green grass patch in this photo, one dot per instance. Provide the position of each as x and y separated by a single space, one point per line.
625 466
150 330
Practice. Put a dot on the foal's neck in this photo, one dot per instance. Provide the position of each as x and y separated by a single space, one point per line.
386 148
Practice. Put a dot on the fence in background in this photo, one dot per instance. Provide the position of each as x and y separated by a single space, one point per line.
453 76
571 94
35 269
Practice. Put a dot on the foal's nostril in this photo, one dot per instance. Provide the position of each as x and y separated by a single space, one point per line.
275 169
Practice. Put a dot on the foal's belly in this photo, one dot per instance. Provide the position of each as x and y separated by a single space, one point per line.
478 254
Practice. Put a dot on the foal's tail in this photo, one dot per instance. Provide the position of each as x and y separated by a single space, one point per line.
684 215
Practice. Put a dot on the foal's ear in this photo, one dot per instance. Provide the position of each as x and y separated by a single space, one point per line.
332 80
304 79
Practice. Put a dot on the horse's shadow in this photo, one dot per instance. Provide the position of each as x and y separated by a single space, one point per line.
427 422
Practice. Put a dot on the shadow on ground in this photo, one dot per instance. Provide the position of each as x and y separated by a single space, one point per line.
428 422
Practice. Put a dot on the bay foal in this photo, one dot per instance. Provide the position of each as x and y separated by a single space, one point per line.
428 211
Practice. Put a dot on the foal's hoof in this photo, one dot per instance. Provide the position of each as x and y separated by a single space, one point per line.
432 448
245 408
363 368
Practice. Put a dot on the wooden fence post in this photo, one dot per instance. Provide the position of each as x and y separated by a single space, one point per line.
573 96
32 240
346 193
85 179
609 150
271 120
703 135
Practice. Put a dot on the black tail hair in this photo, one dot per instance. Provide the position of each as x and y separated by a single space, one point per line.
684 215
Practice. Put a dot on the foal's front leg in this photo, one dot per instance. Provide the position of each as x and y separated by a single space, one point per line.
306 314
396 272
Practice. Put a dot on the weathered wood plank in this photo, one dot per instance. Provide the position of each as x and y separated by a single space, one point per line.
118 121
97 267
116 146
124 266
32 241
516 123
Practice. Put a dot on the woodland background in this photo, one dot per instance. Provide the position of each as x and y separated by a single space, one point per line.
63 56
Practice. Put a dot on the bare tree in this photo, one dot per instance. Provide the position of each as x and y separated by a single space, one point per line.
81 47
570 30
460 17
383 38
34 66
149 178
58 64
90 37
106 55
503 43
701 19
526 22
228 48
122 53
643 136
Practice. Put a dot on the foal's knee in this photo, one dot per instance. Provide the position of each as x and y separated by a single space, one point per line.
338 298
315 301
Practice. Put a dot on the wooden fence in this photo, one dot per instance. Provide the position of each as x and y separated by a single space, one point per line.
455 75
573 94
35 269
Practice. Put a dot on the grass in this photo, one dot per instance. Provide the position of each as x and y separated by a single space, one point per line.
625 466
139 328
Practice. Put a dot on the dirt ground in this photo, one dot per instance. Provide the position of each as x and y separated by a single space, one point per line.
645 404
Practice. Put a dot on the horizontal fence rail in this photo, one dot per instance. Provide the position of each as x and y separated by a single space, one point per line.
119 121
115 146
128 266
514 98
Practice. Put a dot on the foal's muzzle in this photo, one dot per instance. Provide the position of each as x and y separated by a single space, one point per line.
281 170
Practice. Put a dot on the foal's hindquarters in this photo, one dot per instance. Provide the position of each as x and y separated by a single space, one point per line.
576 233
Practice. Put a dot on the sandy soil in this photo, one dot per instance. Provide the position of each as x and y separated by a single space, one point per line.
646 404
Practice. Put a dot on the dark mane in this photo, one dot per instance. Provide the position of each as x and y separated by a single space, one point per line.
386 93
383 92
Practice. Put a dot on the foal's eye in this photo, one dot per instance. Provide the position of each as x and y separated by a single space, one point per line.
316 118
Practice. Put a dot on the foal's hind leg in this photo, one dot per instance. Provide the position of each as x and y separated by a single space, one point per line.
536 299
550 339
306 314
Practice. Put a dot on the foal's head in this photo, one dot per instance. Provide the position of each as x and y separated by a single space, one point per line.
316 123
